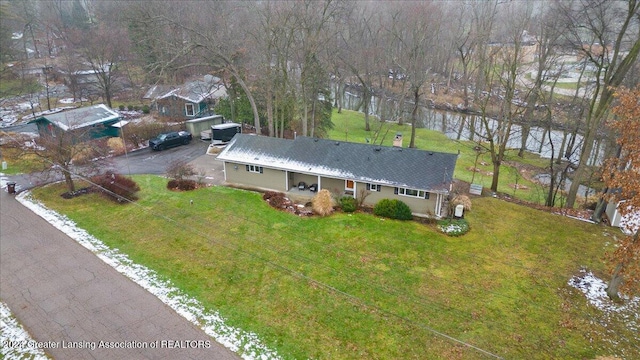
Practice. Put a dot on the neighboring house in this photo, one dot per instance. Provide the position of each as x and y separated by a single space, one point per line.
421 179
90 122
191 100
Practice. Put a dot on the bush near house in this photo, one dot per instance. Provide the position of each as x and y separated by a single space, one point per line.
393 209
348 204
182 184
322 203
116 187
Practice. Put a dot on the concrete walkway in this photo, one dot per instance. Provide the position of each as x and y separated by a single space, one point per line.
66 298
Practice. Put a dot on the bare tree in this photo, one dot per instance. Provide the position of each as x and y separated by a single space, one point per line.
414 31
605 33
544 47
362 60
105 49
501 77
67 153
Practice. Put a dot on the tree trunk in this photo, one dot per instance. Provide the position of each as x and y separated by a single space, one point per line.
523 142
254 108
414 116
562 145
463 119
496 175
472 128
313 118
366 98
68 180
615 282
305 123
544 134
580 173
270 112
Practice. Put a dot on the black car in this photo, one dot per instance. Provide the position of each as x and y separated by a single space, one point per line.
170 139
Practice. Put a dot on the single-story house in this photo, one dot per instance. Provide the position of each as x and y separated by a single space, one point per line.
421 179
192 100
90 122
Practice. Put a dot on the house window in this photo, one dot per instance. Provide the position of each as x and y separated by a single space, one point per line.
374 187
254 169
189 109
349 187
412 193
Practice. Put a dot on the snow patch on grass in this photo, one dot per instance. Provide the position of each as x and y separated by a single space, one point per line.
16 343
595 290
247 344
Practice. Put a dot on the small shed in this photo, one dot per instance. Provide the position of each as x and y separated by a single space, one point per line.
203 125
90 122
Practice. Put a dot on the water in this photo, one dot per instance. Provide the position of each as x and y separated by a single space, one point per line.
458 126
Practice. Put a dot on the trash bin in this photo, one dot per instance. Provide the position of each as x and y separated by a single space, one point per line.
11 187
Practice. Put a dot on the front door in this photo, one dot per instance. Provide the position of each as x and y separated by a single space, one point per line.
349 187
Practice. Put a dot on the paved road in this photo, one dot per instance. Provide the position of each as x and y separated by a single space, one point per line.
64 295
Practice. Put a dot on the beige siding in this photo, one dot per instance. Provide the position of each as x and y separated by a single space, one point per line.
417 205
335 186
276 180
269 179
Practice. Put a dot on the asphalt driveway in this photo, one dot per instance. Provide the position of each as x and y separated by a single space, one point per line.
144 161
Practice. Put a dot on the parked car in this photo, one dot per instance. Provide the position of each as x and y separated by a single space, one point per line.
313 187
170 139
302 185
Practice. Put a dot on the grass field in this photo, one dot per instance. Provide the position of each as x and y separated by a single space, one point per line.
359 287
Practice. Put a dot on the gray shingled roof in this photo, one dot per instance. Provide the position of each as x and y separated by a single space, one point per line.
194 91
81 117
392 166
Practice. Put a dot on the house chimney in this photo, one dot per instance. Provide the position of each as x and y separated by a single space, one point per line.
397 141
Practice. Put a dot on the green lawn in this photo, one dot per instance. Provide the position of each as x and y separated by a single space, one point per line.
359 287
19 163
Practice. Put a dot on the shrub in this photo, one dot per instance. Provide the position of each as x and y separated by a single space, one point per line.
116 145
393 209
116 187
276 199
179 169
348 204
145 109
130 107
461 200
121 107
182 184
455 227
322 203
271 194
